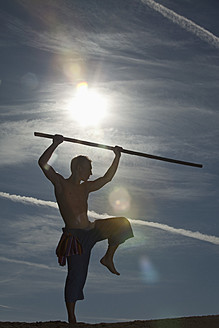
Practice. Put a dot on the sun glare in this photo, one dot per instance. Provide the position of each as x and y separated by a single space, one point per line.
88 106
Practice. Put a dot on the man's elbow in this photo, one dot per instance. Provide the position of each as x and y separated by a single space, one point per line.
41 163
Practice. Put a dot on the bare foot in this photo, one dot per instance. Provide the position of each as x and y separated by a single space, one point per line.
109 264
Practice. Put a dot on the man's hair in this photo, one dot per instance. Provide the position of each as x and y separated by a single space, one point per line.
77 161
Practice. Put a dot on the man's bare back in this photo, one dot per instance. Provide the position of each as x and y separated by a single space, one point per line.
72 202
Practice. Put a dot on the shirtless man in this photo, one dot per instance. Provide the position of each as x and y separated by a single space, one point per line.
72 195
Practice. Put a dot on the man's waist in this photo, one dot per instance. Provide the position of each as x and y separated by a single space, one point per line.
89 225
77 221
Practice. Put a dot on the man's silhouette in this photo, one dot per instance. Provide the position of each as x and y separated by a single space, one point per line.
79 234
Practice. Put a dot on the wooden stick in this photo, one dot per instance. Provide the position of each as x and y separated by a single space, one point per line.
126 151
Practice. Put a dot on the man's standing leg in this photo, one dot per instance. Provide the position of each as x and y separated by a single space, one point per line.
71 312
75 281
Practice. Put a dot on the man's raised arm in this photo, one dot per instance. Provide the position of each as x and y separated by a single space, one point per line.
100 182
44 158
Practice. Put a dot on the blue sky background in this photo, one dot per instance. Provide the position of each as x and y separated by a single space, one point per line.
156 65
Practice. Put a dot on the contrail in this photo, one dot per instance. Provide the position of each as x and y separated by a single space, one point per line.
183 232
187 233
185 23
32 264
28 200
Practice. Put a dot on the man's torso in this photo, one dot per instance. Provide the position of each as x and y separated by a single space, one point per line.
72 202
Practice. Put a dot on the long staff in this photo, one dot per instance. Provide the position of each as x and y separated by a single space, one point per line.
126 151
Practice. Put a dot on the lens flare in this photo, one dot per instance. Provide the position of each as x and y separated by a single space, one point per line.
82 88
148 272
30 81
120 199
72 70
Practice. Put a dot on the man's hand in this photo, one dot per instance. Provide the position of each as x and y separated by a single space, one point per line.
117 150
58 139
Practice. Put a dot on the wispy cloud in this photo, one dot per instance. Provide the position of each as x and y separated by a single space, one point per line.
28 200
51 39
5 306
32 264
187 233
184 22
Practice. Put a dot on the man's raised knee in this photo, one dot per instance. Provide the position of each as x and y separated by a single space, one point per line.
124 220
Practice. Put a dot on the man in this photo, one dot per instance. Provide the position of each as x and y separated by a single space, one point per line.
79 234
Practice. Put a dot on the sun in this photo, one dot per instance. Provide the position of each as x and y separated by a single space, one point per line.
88 106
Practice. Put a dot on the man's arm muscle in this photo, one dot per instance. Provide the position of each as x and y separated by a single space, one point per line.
48 170
100 182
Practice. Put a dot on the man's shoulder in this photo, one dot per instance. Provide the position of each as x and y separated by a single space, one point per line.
86 185
60 176
93 185
59 180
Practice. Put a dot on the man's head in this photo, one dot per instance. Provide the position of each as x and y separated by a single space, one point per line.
81 165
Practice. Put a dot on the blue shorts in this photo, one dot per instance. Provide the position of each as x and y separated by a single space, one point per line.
116 230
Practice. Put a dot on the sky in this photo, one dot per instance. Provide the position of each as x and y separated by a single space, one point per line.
135 73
